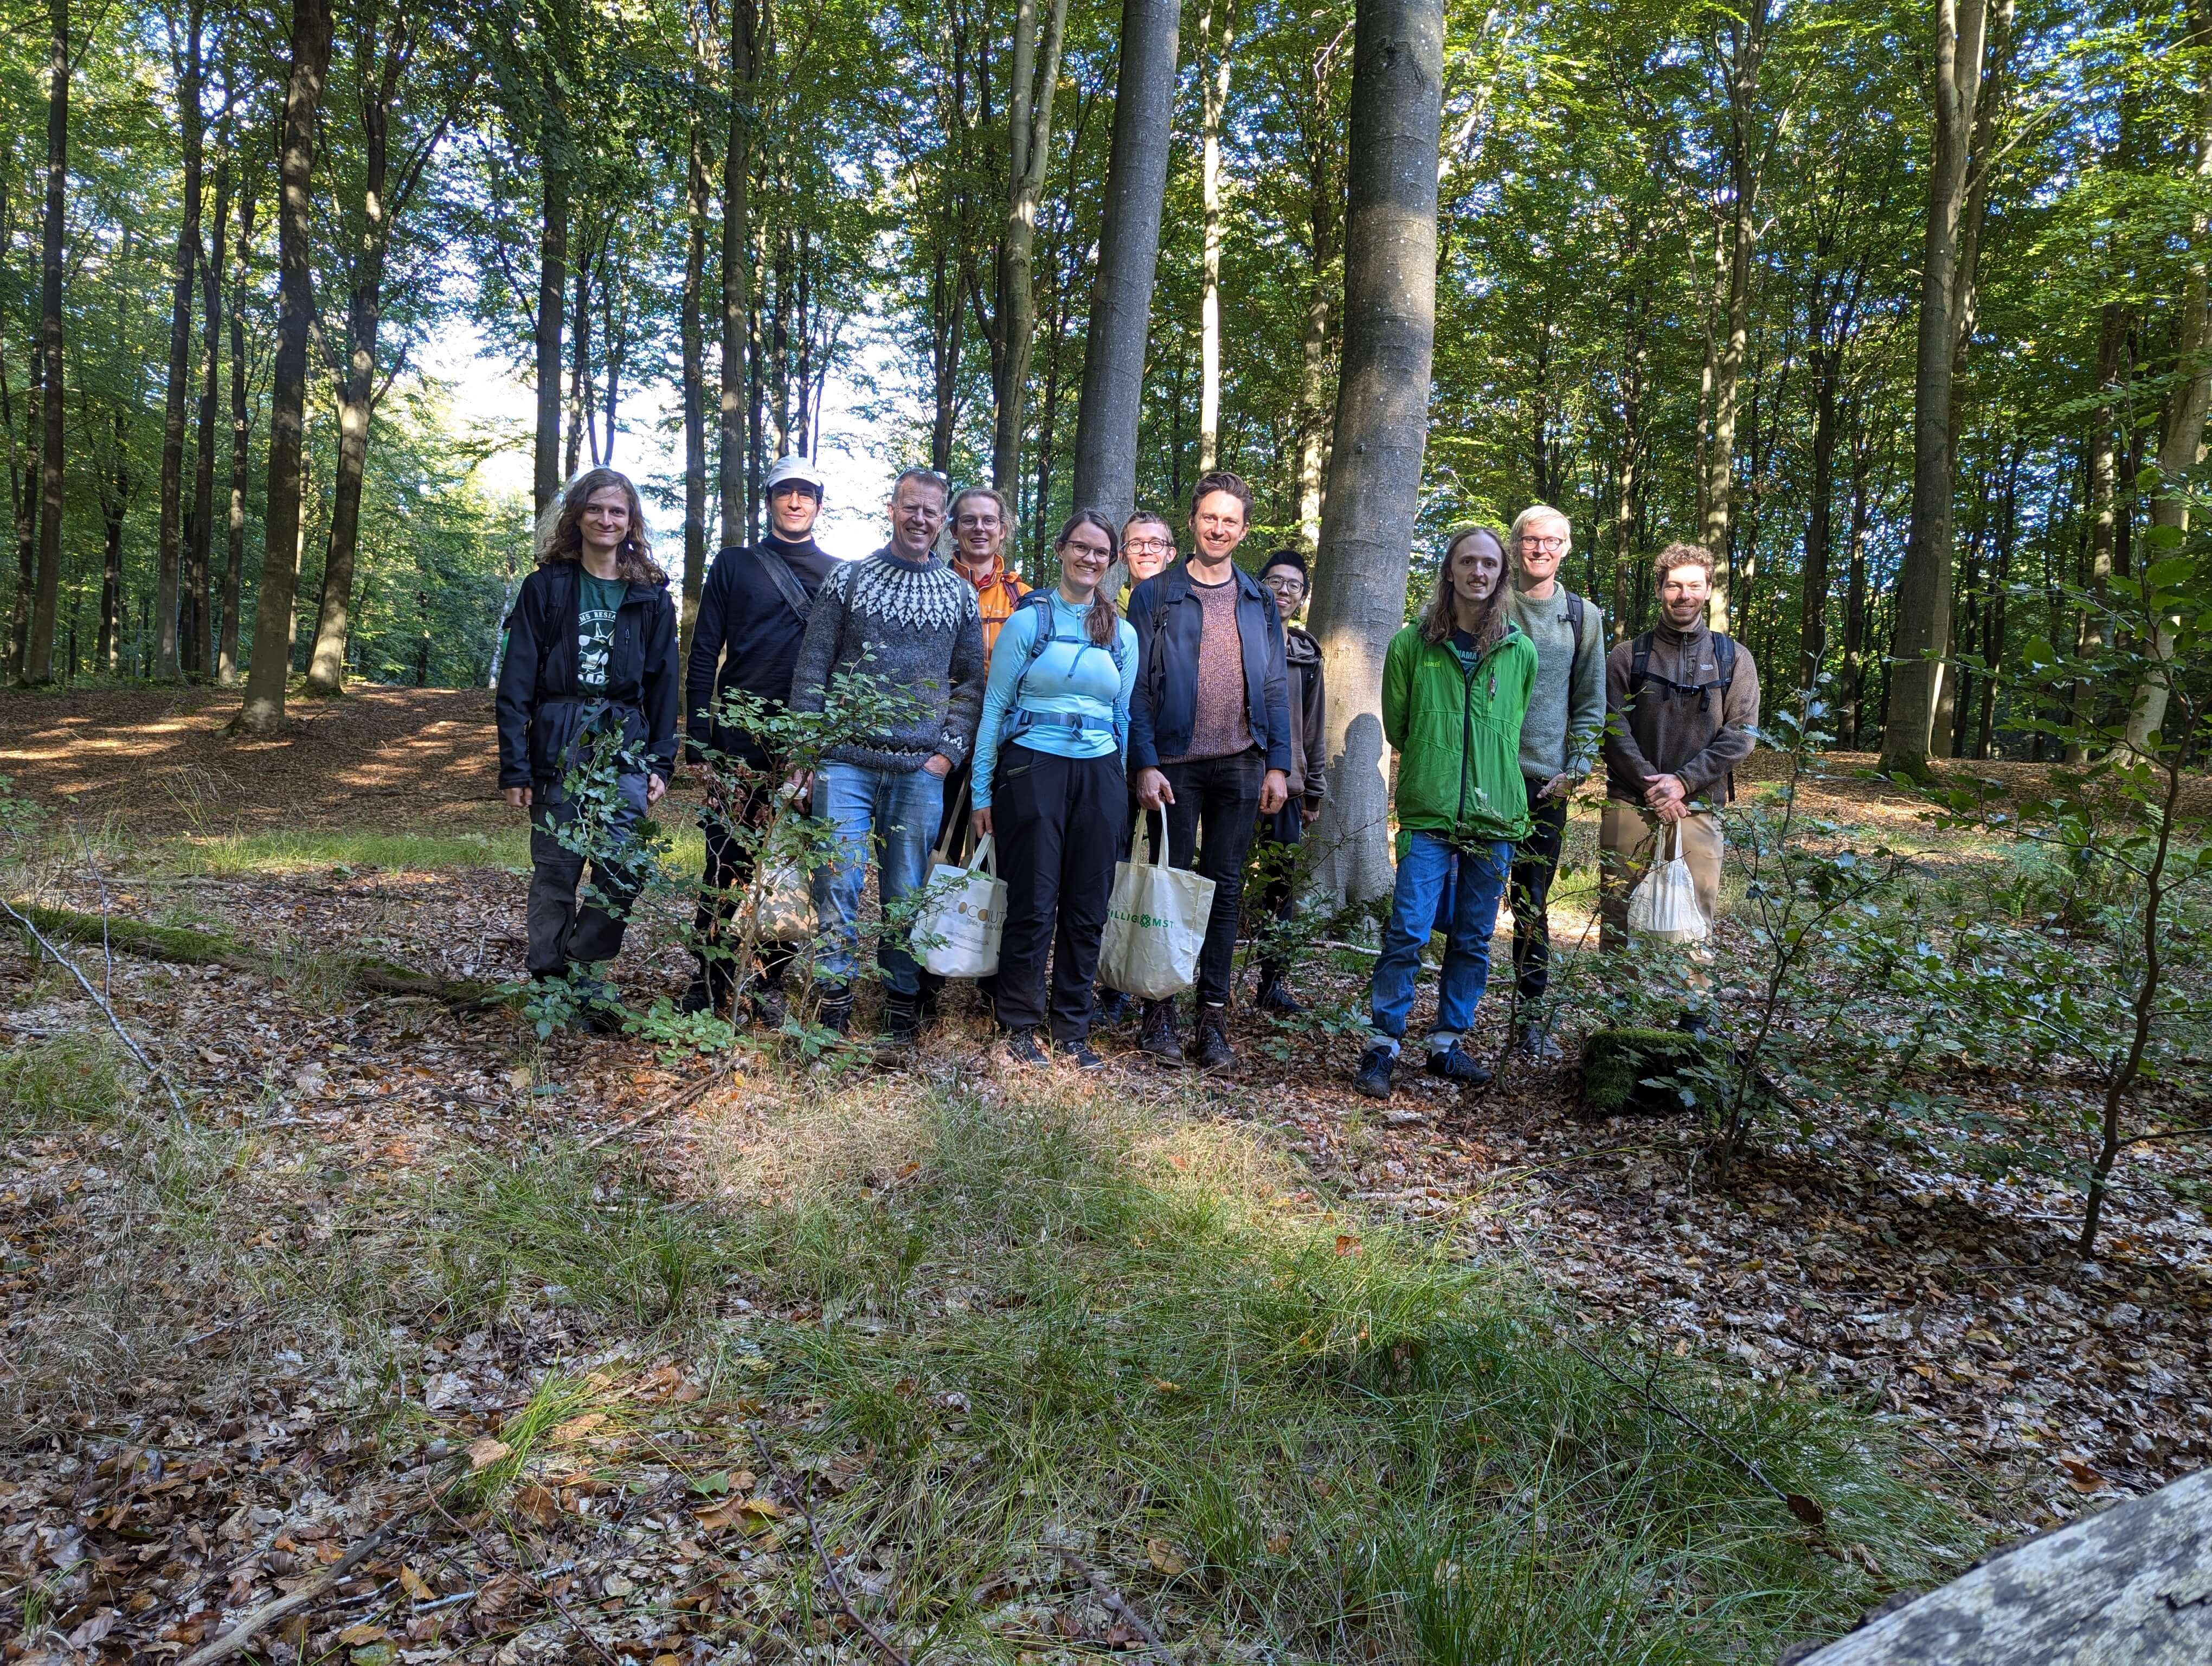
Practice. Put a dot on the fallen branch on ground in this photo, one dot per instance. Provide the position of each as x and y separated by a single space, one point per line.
154 1071
890 1651
1118 1605
185 947
688 1095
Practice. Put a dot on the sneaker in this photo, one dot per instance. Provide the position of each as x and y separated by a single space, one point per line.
698 997
1158 1036
836 1012
1275 997
1209 1048
902 1021
1112 1009
1453 1064
1373 1076
1080 1054
766 1006
1537 1045
1022 1048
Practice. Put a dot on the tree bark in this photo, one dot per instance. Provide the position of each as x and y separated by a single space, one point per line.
23 482
296 312
737 274
115 505
1923 584
168 662
1382 418
200 545
1030 141
1213 100
693 334
241 429
39 666
552 290
1317 132
1111 403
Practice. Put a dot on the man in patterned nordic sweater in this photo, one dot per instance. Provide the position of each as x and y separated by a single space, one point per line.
915 623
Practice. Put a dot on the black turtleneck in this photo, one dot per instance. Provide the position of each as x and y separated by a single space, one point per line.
747 635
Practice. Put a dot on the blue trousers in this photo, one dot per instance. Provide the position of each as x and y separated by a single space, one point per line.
1433 876
892 815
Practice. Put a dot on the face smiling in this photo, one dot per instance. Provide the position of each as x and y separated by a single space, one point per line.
1683 595
917 516
1217 525
978 532
1475 565
606 520
1084 559
1147 548
793 506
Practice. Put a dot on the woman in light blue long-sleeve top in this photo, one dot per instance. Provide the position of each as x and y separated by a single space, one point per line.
1048 788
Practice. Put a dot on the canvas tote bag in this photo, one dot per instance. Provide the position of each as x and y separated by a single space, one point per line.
1664 904
787 899
965 915
1155 921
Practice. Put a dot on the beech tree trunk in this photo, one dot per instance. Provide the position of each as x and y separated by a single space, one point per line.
1029 140
693 389
241 429
115 505
26 484
1917 680
1382 418
737 274
200 546
552 292
296 312
1213 99
39 666
167 592
1111 403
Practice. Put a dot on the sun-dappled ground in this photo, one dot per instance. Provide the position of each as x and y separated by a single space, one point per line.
632 1361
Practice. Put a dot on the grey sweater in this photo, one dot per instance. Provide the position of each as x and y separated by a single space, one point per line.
916 626
1566 722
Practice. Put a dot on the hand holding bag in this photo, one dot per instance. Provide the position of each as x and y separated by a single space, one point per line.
1664 904
963 917
1155 921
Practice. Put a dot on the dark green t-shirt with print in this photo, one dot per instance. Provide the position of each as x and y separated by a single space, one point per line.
598 601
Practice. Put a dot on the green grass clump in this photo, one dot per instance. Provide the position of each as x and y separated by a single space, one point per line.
303 851
73 1077
1314 1436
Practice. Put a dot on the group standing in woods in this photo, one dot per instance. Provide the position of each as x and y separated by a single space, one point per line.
1054 721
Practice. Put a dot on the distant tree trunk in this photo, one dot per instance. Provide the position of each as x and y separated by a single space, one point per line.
2101 461
1109 409
1213 95
273 620
39 667
1382 418
1813 613
115 505
737 274
1917 681
1748 51
1627 473
552 292
693 332
2181 433
241 429
1850 700
580 372
200 560
1030 141
25 482
168 573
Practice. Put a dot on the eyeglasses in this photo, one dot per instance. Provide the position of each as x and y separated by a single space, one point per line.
1530 541
1095 551
1148 546
1285 587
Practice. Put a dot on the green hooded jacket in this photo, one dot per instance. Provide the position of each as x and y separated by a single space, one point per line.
1454 721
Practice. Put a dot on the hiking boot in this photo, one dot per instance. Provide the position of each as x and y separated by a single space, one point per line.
927 999
1536 1045
1209 1048
836 1012
1080 1054
1694 1026
1456 1064
1158 1036
698 996
1023 1048
1373 1076
1275 995
765 1005
1111 1010
902 1021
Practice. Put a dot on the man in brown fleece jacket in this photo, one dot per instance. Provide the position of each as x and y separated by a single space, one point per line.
1681 710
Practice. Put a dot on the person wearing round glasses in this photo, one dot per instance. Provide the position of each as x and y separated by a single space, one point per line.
1283 574
1559 742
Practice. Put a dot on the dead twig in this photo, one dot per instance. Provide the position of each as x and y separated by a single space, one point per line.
890 1650
1117 1605
154 1071
537 1584
674 1102
1804 1508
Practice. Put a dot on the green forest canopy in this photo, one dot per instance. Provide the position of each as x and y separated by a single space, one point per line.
1604 164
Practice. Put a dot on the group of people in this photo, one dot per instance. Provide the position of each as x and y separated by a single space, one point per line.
1050 720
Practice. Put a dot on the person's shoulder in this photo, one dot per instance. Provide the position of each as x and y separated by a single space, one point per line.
1408 640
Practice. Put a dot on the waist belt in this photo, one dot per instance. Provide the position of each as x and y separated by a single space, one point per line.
1079 721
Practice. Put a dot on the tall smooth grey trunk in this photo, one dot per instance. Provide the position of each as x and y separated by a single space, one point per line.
168 660
1112 401
39 663
1381 419
737 276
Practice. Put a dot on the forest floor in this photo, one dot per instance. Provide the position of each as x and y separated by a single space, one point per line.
631 1359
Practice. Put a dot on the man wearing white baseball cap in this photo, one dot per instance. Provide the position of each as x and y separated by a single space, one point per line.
752 616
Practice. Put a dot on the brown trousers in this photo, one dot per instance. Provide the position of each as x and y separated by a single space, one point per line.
1628 837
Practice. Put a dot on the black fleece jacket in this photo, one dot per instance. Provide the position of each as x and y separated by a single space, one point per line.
742 611
544 714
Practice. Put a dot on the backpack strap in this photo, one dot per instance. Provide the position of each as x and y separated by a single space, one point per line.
779 573
1639 663
1724 662
1575 612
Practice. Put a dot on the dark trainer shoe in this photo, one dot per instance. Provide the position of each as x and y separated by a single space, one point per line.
698 997
1373 1077
1158 1036
1453 1064
1275 997
1112 1009
1209 1048
1080 1054
1022 1047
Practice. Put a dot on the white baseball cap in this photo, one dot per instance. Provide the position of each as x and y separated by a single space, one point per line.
784 470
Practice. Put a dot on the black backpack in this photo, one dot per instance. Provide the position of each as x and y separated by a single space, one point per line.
1639 673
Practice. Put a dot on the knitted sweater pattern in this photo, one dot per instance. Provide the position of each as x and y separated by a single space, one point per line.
917 628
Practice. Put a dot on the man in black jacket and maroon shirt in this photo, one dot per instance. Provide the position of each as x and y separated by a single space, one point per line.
752 616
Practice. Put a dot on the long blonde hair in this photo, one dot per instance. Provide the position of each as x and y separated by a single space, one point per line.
559 535
1439 619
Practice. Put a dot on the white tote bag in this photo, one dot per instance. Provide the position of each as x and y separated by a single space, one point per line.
787 906
963 917
1664 904
1155 922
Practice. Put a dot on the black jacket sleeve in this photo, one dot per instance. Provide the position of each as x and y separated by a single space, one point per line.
1313 720
1277 691
663 688
708 632
517 685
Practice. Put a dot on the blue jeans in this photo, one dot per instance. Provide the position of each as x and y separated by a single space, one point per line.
896 814
1432 874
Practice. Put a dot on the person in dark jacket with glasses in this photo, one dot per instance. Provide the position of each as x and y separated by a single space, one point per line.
586 704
